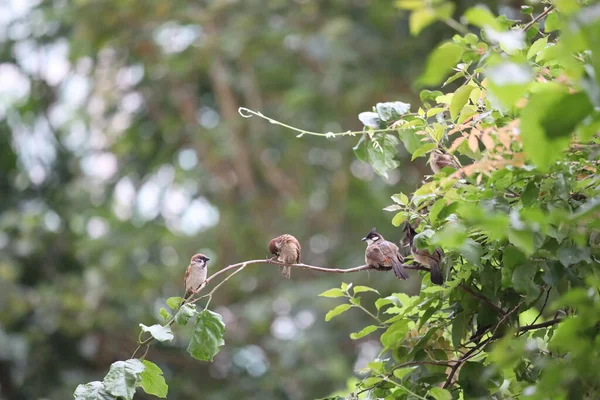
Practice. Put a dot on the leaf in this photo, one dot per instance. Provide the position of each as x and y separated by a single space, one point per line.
393 208
459 328
207 337
536 47
471 251
530 194
184 314
546 135
410 140
508 82
439 393
369 119
123 377
174 302
522 239
569 254
360 149
473 143
359 289
392 110
153 381
337 311
333 293
364 332
394 333
553 22
482 17
399 218
165 315
421 19
400 198
460 98
92 391
159 332
421 151
381 157
440 63
522 279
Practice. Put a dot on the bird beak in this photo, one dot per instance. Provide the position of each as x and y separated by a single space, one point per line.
207 259
364 239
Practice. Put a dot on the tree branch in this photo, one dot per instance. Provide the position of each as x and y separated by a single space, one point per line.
547 11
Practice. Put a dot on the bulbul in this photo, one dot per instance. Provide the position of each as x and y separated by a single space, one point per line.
438 159
195 274
287 250
424 257
383 254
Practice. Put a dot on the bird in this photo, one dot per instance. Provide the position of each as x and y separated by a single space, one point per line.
383 254
438 159
286 249
424 257
195 274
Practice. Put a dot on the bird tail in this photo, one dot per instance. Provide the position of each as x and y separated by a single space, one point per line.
436 274
399 270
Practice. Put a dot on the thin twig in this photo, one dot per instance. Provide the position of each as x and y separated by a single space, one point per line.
547 11
543 306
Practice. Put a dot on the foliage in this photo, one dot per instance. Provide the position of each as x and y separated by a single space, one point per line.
517 217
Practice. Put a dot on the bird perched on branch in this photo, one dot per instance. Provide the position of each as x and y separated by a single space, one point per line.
287 250
424 257
383 254
195 274
438 159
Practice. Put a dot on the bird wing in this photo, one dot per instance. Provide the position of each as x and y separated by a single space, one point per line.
374 256
391 252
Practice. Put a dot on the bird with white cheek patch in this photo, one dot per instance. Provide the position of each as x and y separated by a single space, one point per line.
195 274
438 160
287 250
382 254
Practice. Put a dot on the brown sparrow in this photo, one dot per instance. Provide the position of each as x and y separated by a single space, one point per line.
383 254
195 274
438 159
287 250
424 257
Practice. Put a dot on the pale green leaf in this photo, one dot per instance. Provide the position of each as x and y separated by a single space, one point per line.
123 377
92 391
363 332
153 381
359 289
337 311
159 332
459 100
174 302
335 292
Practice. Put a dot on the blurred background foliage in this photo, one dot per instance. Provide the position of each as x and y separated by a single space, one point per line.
122 154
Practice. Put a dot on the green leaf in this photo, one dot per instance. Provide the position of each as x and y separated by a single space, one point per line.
360 150
159 332
381 157
554 22
153 381
165 315
421 151
471 251
92 391
439 393
400 198
530 194
421 19
383 302
394 333
391 110
459 329
536 47
522 239
364 332
508 81
184 314
337 311
522 279
359 289
460 98
333 293
207 337
482 17
174 302
569 254
410 140
123 377
440 63
399 218
547 122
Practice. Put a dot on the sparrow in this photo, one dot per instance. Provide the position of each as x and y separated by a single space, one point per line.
383 254
287 250
438 159
424 257
195 274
